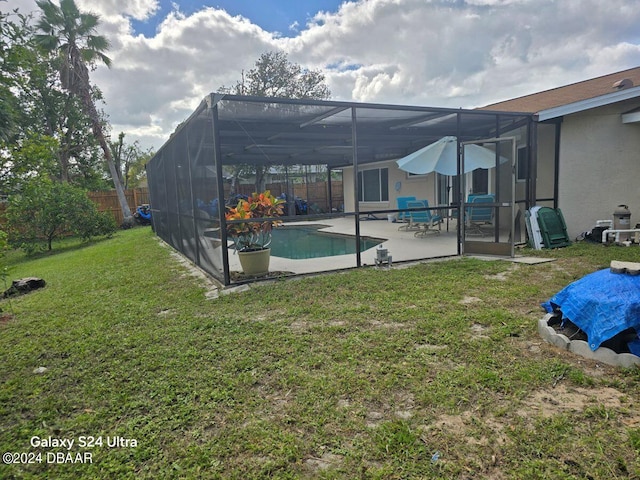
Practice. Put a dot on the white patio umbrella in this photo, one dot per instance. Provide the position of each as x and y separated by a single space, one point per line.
442 157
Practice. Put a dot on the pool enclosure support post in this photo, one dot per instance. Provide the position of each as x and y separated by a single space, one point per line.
217 158
193 202
330 202
461 185
532 165
354 147
291 202
174 185
496 228
306 179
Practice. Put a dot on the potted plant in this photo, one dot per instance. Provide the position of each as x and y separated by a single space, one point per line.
251 238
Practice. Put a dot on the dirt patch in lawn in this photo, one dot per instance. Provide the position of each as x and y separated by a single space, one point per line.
562 399
5 317
503 276
324 462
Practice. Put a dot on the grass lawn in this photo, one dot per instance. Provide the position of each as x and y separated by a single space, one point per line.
431 371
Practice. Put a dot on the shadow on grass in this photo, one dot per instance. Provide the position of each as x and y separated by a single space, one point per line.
602 254
69 244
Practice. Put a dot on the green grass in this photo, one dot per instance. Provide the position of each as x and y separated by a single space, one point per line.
365 374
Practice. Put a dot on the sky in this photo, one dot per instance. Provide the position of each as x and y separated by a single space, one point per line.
167 56
283 17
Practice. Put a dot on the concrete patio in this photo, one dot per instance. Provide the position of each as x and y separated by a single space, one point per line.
402 246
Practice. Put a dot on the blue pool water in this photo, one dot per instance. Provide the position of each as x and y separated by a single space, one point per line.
306 241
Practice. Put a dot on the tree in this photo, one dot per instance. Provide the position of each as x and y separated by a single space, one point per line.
46 209
34 106
130 160
275 76
69 35
14 38
137 170
34 155
8 114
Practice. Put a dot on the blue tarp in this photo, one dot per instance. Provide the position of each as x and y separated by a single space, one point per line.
602 304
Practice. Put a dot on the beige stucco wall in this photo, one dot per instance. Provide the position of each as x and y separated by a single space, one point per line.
599 167
421 187
546 161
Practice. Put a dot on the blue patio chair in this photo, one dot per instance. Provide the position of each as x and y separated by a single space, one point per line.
422 221
403 216
479 215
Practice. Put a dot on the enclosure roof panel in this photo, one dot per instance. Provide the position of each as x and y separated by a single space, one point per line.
277 131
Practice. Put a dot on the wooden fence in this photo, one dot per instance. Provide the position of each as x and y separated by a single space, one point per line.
107 201
316 194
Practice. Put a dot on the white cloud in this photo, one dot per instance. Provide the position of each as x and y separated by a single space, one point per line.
138 9
462 53
165 77
468 53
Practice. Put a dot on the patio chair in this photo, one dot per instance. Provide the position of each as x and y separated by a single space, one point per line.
422 221
553 228
403 216
479 215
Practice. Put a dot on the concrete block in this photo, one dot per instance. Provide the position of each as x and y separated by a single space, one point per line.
628 360
238 289
580 347
560 341
543 328
631 268
550 335
607 356
212 294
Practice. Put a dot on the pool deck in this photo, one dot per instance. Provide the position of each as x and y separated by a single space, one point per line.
402 245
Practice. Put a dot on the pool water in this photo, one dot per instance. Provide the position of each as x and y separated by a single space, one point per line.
298 242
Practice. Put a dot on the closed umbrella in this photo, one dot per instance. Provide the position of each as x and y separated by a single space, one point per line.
442 157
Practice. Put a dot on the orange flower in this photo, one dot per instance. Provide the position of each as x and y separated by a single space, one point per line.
253 234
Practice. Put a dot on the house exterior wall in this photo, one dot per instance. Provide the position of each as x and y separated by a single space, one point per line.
599 167
419 186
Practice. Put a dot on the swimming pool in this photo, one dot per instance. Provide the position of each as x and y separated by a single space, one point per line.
305 241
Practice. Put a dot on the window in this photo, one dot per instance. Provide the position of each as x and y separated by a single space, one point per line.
480 181
373 185
522 167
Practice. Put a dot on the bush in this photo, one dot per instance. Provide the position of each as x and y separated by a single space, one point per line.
92 223
46 210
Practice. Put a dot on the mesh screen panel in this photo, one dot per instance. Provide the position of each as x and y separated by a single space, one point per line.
281 139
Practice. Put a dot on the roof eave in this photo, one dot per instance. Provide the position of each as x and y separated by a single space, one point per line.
589 103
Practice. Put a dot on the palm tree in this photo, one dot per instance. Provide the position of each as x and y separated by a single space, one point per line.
69 34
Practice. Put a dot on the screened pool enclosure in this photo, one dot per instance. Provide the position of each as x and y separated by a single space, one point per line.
351 149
